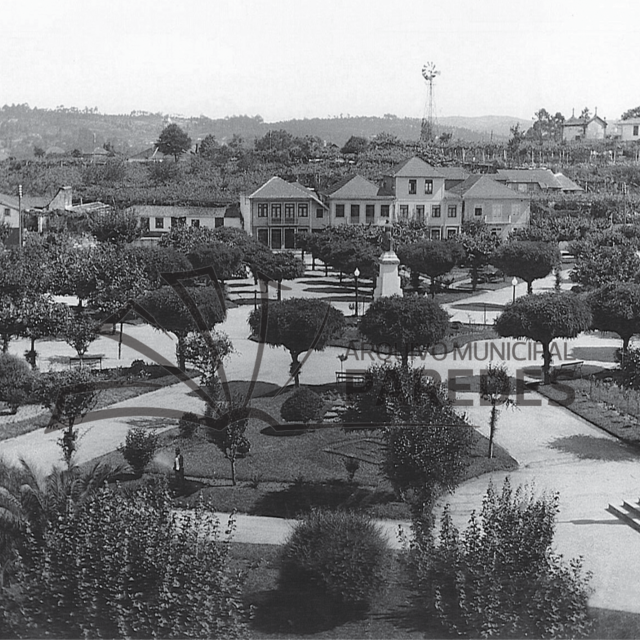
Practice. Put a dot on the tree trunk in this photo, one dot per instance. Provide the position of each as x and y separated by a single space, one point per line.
546 363
474 278
530 287
492 426
404 355
180 352
5 343
279 290
625 343
233 471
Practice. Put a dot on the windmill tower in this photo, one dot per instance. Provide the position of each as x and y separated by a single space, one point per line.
427 130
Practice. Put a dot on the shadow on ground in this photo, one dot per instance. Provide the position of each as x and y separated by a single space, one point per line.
594 448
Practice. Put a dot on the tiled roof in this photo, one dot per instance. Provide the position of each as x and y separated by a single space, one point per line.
28 202
277 188
566 183
415 167
543 177
484 187
167 211
454 173
354 187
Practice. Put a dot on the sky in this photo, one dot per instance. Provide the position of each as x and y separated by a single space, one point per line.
284 59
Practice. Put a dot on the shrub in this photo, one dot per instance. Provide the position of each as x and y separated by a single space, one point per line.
303 405
188 424
139 448
500 577
630 367
124 565
15 381
338 559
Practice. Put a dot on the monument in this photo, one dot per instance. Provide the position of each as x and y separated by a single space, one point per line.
388 282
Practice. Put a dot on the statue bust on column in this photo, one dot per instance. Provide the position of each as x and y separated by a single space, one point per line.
388 282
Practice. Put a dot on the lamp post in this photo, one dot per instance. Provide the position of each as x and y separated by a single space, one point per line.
514 282
356 275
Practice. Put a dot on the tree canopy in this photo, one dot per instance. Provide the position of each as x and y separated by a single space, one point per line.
406 323
616 307
433 258
298 325
527 260
173 141
543 318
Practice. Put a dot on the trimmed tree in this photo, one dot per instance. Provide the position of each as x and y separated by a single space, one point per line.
15 381
544 318
616 307
434 258
297 324
495 388
527 260
267 266
479 246
408 323
168 312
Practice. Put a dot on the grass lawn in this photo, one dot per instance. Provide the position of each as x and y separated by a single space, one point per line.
286 475
36 417
395 615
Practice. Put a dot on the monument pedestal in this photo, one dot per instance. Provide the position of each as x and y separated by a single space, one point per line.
388 283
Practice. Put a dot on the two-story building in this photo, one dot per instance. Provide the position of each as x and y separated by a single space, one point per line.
578 129
280 209
500 208
356 200
628 130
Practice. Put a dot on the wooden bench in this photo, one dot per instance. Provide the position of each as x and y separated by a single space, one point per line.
353 377
567 369
91 361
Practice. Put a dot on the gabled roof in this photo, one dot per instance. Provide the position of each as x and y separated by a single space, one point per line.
278 189
415 168
170 211
633 121
354 187
543 177
566 183
454 173
574 122
28 202
484 187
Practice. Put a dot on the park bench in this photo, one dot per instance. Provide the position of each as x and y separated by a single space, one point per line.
567 369
352 377
91 361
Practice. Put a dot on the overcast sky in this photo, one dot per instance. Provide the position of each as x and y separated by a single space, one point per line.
286 59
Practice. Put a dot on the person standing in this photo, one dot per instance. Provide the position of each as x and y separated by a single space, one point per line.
178 468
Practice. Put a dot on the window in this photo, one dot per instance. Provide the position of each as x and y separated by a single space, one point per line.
196 223
452 211
303 210
339 211
289 210
178 222
428 186
420 213
478 211
370 212
263 210
635 132
384 211
219 222
435 211
144 224
7 211
404 210
319 212
452 233
495 232
435 234
276 211
355 213
413 185
159 223
276 238
263 236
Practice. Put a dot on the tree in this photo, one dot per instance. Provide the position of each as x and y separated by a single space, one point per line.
434 258
226 426
299 325
585 114
224 259
79 331
116 227
267 266
168 312
15 381
206 353
598 265
303 405
478 246
173 141
139 448
38 152
631 113
616 307
43 318
543 318
527 260
495 387
406 323
355 145
500 577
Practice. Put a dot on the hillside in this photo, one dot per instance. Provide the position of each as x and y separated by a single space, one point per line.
23 128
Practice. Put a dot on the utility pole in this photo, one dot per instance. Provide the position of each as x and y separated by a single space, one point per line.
20 215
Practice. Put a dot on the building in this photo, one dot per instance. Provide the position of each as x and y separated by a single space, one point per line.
528 180
500 208
280 209
156 220
356 200
576 129
628 130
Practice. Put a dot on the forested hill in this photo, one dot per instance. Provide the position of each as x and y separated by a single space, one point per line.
23 128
